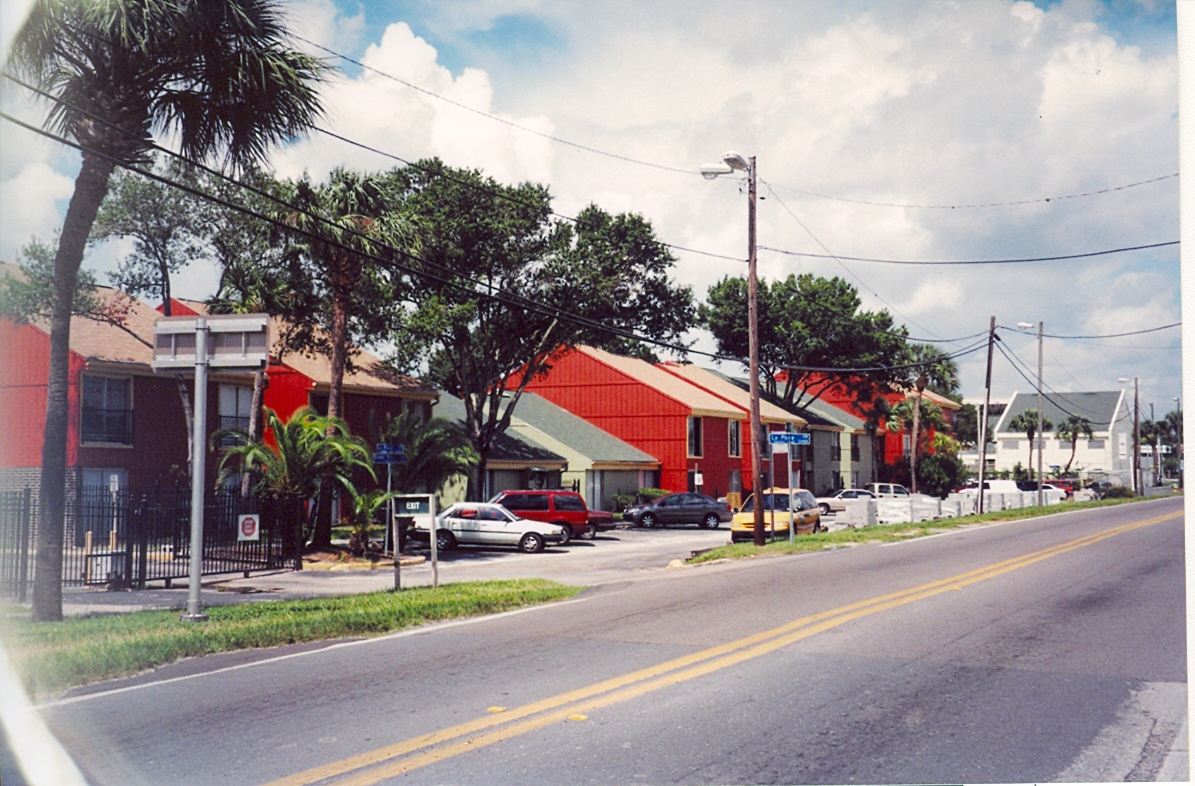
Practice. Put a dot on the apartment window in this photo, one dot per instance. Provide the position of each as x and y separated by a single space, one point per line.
836 447
107 410
1095 444
236 402
1011 444
906 444
695 441
855 453
734 438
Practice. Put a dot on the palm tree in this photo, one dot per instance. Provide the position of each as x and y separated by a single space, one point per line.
1026 421
434 451
218 76
352 211
1071 430
937 371
1151 432
311 454
909 415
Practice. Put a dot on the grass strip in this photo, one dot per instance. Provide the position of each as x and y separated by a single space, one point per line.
54 656
891 533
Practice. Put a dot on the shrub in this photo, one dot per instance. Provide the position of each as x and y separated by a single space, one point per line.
1119 492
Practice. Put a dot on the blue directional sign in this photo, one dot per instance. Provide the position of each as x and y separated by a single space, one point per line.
389 454
788 438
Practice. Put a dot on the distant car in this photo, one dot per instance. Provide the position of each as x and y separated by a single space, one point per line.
777 515
555 506
486 524
599 521
1100 488
681 508
1031 485
888 489
836 503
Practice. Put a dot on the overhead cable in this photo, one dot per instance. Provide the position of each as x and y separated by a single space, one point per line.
1103 335
1021 260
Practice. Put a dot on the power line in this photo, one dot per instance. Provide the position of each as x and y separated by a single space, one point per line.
1104 335
1015 261
687 171
837 259
1039 200
980 345
495 118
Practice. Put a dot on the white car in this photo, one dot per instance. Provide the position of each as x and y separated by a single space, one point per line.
836 503
486 524
887 490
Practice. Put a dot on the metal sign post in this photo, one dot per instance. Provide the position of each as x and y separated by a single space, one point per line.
240 341
391 455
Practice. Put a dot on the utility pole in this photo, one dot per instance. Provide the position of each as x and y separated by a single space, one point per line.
983 423
1041 438
1137 436
757 444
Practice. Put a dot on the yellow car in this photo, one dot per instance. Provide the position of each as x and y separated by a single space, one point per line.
776 515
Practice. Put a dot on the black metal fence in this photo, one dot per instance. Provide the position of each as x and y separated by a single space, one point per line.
128 538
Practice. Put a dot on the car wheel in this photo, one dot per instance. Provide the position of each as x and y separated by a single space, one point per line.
531 543
445 540
568 531
824 508
711 521
590 532
649 520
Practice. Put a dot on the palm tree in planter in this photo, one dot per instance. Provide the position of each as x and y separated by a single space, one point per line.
367 507
217 76
311 455
1074 428
1026 421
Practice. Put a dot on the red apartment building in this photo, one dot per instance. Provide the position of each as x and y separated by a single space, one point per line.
694 434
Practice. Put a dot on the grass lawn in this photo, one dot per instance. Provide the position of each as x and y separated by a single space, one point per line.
54 656
888 533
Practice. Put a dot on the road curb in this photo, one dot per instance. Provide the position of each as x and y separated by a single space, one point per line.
1176 767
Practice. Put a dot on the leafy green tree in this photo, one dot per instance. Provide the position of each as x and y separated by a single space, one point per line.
434 451
941 473
1074 428
163 223
217 75
26 296
606 269
1026 422
808 323
339 288
310 456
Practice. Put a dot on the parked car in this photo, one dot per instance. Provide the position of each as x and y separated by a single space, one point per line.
1066 485
681 508
996 486
1100 488
836 503
888 489
485 524
777 515
599 521
554 506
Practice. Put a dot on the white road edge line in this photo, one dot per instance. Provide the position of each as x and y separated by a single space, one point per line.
958 531
422 629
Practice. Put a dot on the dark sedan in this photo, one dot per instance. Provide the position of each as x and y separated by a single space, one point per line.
682 508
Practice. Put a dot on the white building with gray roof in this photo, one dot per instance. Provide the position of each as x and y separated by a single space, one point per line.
1106 455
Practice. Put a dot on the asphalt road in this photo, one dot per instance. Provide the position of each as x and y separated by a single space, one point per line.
1050 649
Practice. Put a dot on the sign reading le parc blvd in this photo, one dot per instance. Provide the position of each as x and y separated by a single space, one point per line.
788 438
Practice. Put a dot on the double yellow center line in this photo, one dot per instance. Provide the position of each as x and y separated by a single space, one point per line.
393 760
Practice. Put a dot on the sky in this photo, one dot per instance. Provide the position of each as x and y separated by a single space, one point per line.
919 131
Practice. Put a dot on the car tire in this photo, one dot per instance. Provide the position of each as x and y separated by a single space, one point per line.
445 540
711 521
568 531
590 532
649 521
531 543
824 508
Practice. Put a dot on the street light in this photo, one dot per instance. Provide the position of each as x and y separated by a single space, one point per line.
1136 434
735 162
1041 438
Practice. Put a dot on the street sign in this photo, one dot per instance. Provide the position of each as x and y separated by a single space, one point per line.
233 341
389 454
249 527
788 438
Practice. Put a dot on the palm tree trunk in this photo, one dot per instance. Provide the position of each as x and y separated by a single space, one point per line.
259 387
90 187
916 440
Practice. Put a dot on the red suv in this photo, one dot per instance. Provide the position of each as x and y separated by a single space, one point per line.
566 508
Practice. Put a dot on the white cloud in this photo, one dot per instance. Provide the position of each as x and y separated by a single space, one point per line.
29 203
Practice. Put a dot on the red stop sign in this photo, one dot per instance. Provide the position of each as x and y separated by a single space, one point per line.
249 527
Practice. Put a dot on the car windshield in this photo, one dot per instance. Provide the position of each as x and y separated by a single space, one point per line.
770 502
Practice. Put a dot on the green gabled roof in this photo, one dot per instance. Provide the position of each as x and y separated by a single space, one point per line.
579 434
1100 407
508 446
